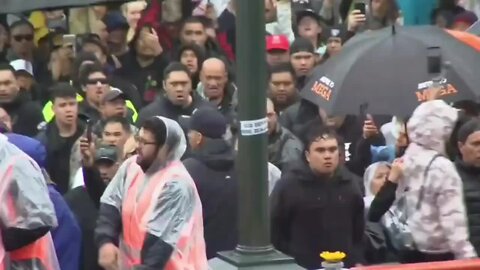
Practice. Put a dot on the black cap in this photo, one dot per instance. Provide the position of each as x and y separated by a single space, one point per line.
209 122
301 45
307 13
335 31
113 94
107 153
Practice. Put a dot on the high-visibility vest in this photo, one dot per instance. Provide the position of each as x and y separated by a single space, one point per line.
39 255
189 253
48 113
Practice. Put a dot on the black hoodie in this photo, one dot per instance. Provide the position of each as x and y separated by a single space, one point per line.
212 169
311 214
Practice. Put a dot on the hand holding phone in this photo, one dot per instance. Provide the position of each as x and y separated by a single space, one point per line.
360 6
88 133
369 127
356 18
87 146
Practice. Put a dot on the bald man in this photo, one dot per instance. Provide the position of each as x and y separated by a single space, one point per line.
216 87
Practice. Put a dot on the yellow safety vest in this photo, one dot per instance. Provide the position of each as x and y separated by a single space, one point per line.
48 113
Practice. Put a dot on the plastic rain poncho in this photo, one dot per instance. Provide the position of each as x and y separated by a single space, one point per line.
25 204
162 202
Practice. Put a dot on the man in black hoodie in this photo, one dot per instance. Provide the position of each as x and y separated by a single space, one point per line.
212 168
316 206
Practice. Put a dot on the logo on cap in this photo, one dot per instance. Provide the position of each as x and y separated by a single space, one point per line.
276 39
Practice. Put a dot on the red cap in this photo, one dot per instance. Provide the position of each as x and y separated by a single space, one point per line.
277 42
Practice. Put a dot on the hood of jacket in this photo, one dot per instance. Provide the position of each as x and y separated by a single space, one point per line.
431 125
216 154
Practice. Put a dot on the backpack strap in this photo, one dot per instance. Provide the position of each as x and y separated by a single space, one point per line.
425 174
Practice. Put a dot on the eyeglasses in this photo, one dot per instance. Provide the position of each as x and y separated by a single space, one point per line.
141 141
19 38
96 81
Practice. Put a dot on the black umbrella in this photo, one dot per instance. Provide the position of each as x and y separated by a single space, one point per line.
18 6
386 72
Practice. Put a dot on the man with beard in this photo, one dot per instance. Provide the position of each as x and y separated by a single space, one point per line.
282 86
151 207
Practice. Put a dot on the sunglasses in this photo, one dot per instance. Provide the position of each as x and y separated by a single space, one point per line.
19 38
96 81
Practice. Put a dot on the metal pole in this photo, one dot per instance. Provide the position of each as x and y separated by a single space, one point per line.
252 145
254 251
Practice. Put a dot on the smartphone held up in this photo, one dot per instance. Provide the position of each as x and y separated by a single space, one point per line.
360 6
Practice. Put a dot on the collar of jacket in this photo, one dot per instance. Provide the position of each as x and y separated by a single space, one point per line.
188 110
305 173
228 98
470 169
53 136
21 98
277 133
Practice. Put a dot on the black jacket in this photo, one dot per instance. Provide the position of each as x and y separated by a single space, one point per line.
212 169
26 114
283 147
310 215
58 153
145 79
471 192
86 213
163 107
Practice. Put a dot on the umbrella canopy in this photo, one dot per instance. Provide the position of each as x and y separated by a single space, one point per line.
469 39
385 71
17 6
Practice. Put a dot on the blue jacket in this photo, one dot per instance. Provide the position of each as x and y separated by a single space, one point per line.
67 237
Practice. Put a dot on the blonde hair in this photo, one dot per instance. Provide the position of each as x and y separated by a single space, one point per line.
83 20
124 7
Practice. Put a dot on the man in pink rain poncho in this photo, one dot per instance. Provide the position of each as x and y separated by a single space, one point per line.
26 213
150 214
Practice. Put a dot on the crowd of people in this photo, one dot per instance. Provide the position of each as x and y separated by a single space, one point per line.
119 134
